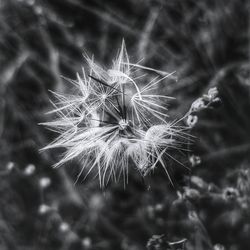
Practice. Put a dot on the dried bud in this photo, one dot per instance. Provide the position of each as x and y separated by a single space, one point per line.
198 105
213 93
158 242
194 160
216 103
192 120
198 182
230 193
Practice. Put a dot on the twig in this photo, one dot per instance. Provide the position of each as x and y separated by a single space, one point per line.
227 152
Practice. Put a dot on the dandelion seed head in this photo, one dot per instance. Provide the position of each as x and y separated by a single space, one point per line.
213 93
114 120
198 105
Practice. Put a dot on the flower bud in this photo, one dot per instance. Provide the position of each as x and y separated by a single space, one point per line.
192 120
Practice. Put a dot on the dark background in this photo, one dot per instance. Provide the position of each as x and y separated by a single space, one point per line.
207 43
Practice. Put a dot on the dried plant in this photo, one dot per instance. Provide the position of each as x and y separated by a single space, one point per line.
112 121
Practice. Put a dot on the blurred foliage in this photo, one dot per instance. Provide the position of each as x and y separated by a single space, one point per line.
207 43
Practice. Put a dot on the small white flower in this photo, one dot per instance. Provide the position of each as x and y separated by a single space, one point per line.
198 105
114 120
194 160
192 120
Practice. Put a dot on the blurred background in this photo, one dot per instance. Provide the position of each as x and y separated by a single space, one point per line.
207 43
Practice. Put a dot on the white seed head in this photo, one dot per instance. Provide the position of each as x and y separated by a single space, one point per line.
113 120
